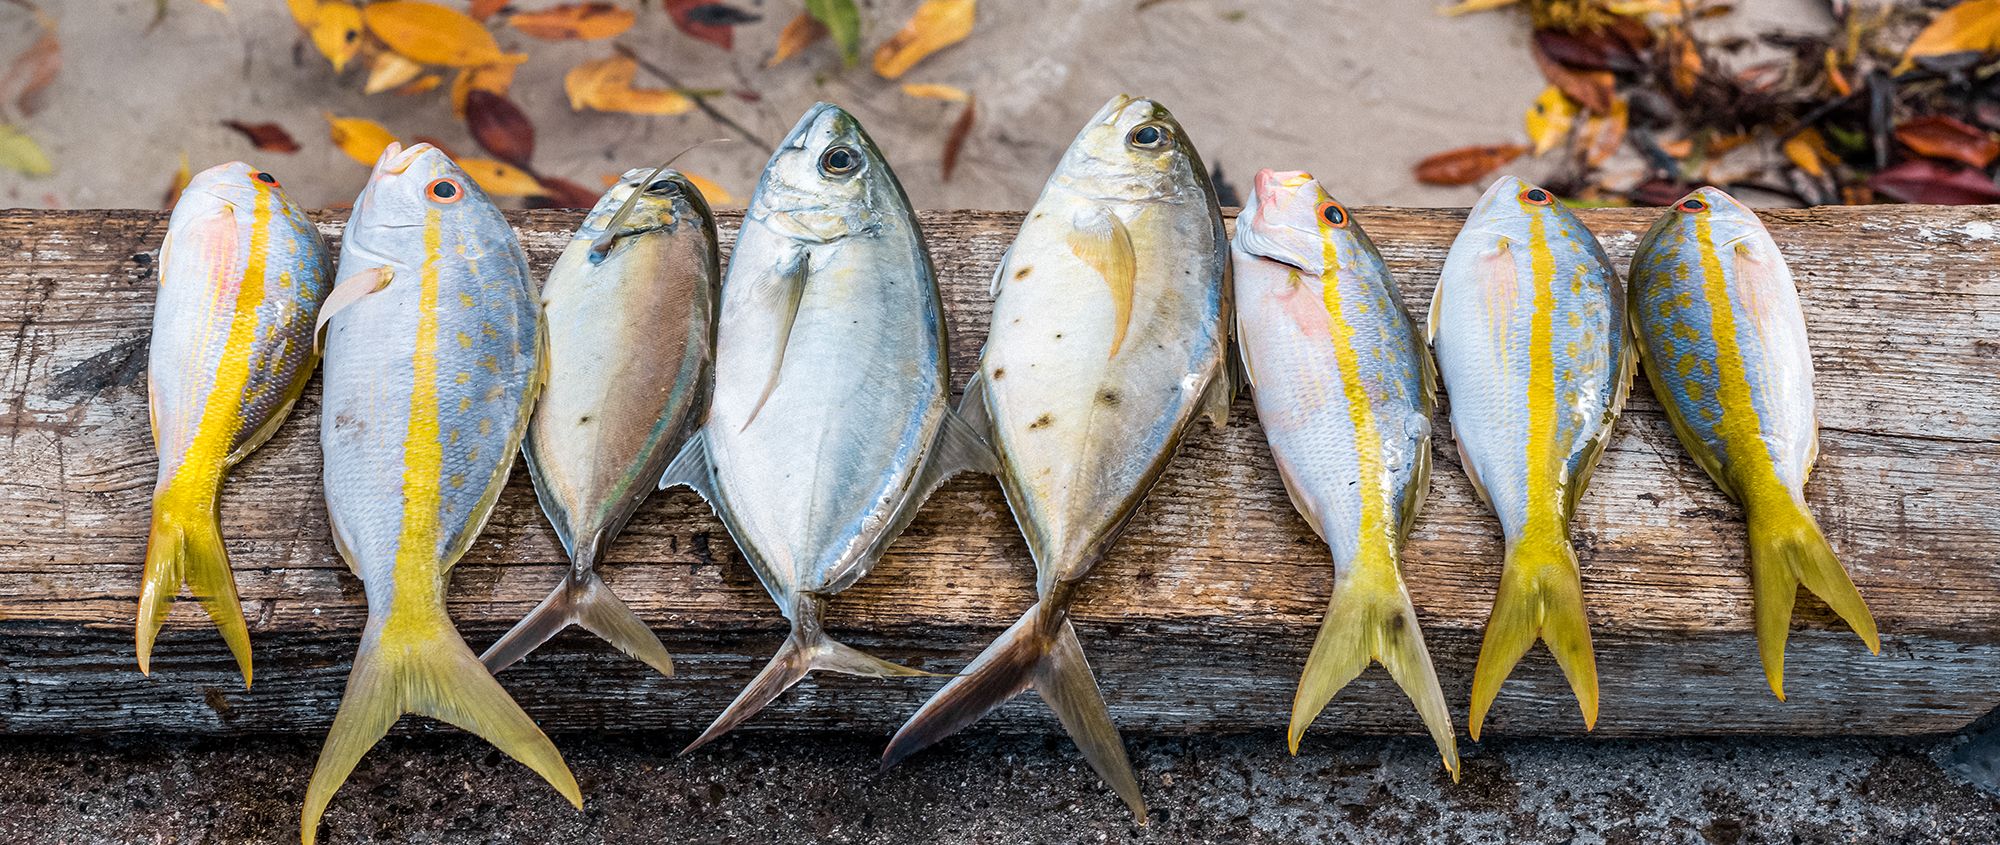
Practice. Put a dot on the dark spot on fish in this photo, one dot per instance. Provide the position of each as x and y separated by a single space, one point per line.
1107 396
123 365
343 422
585 420
1038 214
1023 272
1043 421
1058 335
999 373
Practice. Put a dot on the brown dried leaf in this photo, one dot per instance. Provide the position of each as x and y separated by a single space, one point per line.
1603 135
955 142
1938 136
801 33
1466 165
1924 181
707 20
34 69
575 21
269 137
1592 89
500 127
562 193
483 9
496 79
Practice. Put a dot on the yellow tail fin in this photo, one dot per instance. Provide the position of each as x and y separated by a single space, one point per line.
439 678
1371 619
1540 597
185 546
1786 550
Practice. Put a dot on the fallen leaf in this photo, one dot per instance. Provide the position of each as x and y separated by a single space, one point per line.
606 85
843 22
500 127
562 193
1549 119
21 154
496 79
1592 89
955 142
500 178
937 24
713 193
1835 78
390 70
1686 62
1678 148
269 137
1969 27
1604 134
360 138
947 93
483 9
178 184
1659 192
708 21
1808 151
575 22
1925 181
801 33
1597 48
427 82
336 32
304 12
34 69
1938 136
1466 7
430 34
1466 165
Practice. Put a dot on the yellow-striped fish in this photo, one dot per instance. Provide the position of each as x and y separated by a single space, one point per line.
1344 388
242 275
433 360
1724 343
1530 329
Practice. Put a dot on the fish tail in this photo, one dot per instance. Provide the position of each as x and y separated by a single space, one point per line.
184 546
581 599
1371 618
1787 549
1039 651
808 648
1540 597
426 669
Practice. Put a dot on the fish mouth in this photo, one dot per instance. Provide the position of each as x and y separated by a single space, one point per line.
1268 182
397 159
801 131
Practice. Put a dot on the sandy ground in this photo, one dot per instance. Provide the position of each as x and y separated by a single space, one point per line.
1355 90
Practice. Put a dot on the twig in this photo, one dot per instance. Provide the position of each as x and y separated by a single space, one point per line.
699 98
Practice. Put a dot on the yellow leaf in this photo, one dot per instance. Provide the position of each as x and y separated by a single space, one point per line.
575 22
218 5
427 82
1550 118
1808 150
715 194
1466 7
606 85
390 70
493 79
179 183
798 35
936 25
1971 26
500 178
336 31
360 138
304 12
21 154
429 34
947 93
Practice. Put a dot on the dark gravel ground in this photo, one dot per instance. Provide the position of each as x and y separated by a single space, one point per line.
773 788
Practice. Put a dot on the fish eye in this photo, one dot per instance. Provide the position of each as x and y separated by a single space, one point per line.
1148 136
839 161
1692 205
662 186
265 178
445 191
1536 196
1333 214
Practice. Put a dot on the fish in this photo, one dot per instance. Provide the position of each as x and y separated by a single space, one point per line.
1723 340
631 339
1344 386
242 274
1109 339
831 421
433 360
1529 326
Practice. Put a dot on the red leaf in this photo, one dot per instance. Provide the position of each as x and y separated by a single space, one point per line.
1925 181
689 17
1658 192
1593 89
500 127
269 137
1938 136
955 142
483 9
562 193
1589 49
1466 165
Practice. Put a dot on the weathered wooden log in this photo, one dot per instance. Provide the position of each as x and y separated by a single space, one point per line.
1199 620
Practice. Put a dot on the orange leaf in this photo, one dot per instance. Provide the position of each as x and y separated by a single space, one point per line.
490 78
801 33
1938 136
1808 151
575 22
427 82
714 193
36 67
936 25
483 9
500 178
360 138
606 85
947 93
429 34
336 32
1969 27
1466 165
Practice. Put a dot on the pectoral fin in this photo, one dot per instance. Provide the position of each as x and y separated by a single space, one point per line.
1101 241
345 293
784 286
691 468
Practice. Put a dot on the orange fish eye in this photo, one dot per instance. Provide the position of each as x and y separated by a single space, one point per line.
1333 214
445 191
265 178
1536 196
1692 205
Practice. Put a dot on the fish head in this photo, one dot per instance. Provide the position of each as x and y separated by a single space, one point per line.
826 181
1133 150
1512 206
413 194
660 200
234 184
1291 219
1727 221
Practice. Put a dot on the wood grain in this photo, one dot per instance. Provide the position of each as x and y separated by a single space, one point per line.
1199 620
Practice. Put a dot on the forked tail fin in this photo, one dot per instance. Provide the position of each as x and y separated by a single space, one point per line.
185 546
432 674
1371 619
807 648
584 600
1540 597
1039 651
1787 549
